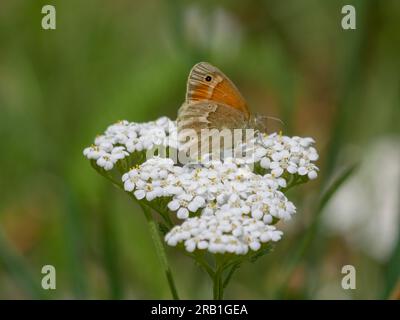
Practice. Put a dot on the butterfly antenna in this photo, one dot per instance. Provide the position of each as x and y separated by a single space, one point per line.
275 119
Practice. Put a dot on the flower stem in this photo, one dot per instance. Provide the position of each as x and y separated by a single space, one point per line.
218 288
202 263
216 283
155 235
232 270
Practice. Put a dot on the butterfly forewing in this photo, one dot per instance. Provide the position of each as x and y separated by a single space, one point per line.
208 83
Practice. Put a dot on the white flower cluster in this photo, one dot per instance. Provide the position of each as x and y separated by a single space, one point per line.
123 138
216 186
234 207
226 207
280 154
223 232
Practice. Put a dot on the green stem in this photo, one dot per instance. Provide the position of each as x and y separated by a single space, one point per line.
221 288
202 263
216 283
218 288
232 270
155 235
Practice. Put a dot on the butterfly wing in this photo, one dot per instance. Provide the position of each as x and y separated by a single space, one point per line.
208 83
210 115
196 122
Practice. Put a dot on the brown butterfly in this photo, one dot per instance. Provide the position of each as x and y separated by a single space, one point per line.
212 102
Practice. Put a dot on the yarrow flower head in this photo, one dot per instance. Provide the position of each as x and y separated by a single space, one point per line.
125 138
227 205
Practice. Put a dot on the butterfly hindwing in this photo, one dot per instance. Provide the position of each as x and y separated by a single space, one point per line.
210 115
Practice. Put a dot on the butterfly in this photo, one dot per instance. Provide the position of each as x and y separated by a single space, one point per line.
212 102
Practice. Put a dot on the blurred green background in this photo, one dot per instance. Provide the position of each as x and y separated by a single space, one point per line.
112 60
